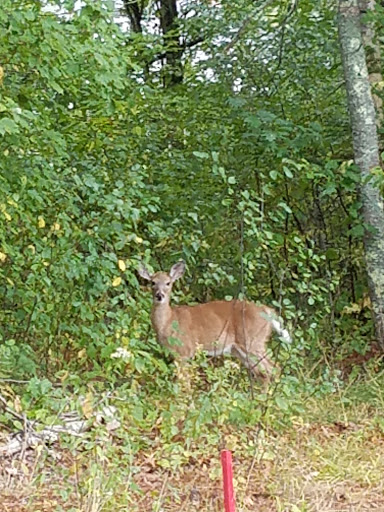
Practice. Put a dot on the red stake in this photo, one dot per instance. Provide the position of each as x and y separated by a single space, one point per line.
226 464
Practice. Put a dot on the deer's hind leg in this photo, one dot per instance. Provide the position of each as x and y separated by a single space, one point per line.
259 364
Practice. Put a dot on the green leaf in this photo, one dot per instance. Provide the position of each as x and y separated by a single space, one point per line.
8 125
57 87
285 207
287 172
332 254
273 174
357 231
281 403
201 154
193 216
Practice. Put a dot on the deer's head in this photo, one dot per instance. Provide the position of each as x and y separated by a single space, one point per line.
162 282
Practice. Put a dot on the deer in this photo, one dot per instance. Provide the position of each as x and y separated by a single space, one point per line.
235 327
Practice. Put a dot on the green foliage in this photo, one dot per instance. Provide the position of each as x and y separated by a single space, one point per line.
70 218
243 170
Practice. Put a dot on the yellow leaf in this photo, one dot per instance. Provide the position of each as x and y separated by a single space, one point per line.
64 375
353 308
24 469
41 222
116 281
122 265
56 226
17 404
81 353
139 240
32 248
39 449
3 256
86 406
163 242
4 210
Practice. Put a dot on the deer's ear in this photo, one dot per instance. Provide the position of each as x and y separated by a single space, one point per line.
177 270
143 272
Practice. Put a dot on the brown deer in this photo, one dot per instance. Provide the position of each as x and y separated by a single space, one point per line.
219 327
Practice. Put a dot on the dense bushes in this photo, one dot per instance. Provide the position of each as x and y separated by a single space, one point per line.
100 170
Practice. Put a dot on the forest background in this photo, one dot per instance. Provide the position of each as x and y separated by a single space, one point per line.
213 131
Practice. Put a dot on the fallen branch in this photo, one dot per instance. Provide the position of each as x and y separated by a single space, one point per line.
35 434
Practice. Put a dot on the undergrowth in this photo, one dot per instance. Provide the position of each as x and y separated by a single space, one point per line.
312 445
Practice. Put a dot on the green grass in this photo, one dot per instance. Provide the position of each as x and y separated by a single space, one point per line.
314 451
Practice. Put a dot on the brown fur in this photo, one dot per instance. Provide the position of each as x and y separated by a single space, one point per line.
217 327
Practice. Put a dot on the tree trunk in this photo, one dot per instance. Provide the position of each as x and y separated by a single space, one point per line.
134 10
373 56
173 72
366 151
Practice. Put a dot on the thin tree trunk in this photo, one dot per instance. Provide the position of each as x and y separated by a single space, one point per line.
373 55
169 22
366 151
134 10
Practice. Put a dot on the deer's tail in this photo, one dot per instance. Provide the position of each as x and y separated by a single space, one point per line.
279 328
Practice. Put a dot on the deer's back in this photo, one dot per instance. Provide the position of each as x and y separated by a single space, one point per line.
218 326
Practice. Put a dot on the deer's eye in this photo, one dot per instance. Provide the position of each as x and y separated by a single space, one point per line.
169 282
153 283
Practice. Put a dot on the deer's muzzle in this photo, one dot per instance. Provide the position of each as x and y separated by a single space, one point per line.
159 296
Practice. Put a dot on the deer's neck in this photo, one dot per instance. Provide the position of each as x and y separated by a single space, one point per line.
162 320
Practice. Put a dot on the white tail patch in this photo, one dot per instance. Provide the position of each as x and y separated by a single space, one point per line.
281 331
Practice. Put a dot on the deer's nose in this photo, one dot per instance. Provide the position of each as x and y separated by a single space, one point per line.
159 296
